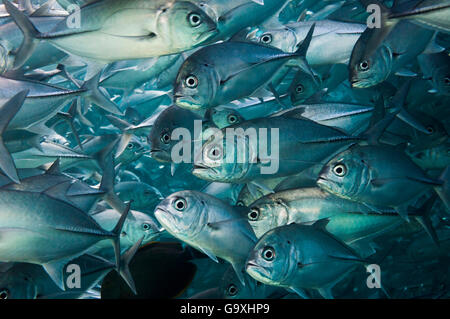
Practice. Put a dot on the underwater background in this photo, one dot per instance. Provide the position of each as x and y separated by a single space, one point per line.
213 149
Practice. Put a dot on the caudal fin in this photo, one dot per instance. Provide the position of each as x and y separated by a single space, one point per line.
7 113
96 96
125 260
117 231
444 190
302 50
30 34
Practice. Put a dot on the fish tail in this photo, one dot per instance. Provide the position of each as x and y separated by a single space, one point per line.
69 117
303 47
443 190
301 54
30 34
106 162
422 215
116 238
96 96
8 111
125 260
416 12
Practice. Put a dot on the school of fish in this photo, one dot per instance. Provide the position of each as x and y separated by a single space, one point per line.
119 179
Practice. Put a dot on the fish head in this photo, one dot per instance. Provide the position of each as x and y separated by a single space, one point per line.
196 85
232 288
224 117
6 56
369 69
185 25
345 174
266 213
140 225
269 260
214 164
183 214
135 148
283 38
303 86
17 285
160 137
441 79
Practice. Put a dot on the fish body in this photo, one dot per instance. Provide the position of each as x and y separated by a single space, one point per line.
301 257
209 225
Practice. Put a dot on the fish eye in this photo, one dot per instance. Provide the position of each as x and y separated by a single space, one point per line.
240 203
146 226
232 290
232 118
165 138
253 214
194 19
364 65
191 81
268 253
4 293
180 204
215 153
266 38
299 88
130 145
447 80
430 129
340 170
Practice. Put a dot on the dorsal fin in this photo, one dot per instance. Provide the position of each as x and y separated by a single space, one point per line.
54 169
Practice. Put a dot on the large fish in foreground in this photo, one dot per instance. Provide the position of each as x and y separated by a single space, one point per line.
112 30
332 41
209 225
373 175
370 66
40 229
299 144
228 71
348 220
302 257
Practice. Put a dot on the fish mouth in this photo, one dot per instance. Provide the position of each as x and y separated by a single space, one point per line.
160 155
164 217
207 35
258 270
360 84
186 103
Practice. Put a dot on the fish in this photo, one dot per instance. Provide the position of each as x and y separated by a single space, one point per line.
370 66
112 31
36 220
143 196
369 174
212 218
300 257
12 37
218 74
137 227
45 101
435 67
29 281
160 138
301 144
430 14
332 41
